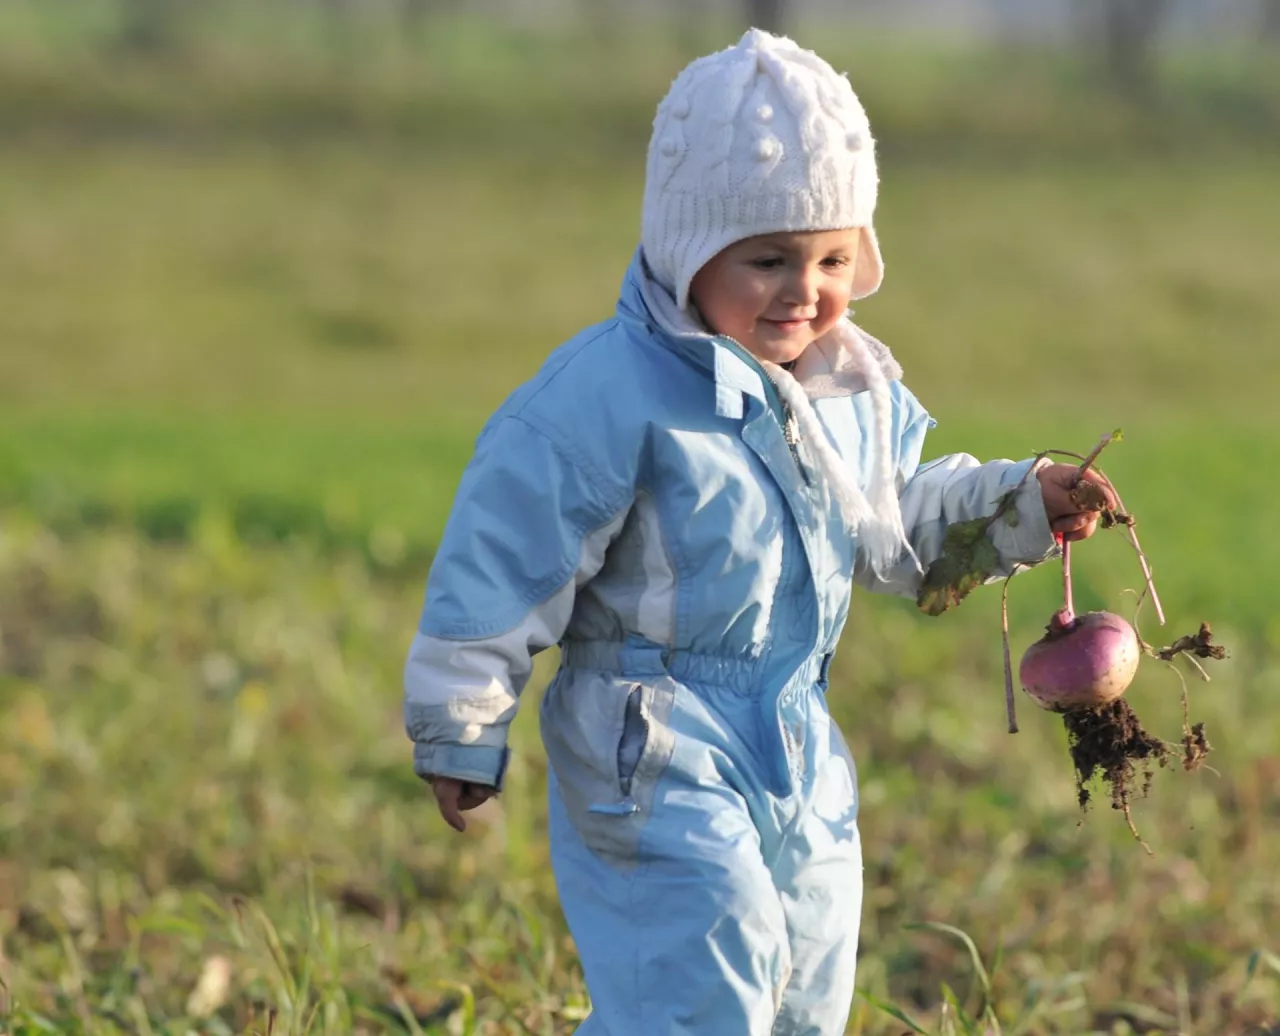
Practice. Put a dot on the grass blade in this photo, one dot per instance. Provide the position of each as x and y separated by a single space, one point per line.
891 1011
979 970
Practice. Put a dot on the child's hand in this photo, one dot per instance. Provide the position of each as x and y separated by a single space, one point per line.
1066 516
454 797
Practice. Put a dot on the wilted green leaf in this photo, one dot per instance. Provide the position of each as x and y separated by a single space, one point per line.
1007 510
967 560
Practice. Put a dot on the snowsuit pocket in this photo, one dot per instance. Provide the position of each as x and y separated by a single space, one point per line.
635 732
607 741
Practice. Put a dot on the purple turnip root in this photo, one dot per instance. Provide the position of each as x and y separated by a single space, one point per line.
1083 661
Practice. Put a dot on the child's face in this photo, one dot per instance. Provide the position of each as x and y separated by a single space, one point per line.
775 294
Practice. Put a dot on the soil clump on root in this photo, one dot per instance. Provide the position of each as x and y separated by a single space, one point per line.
1110 739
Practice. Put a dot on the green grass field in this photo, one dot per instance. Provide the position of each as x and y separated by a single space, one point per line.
255 313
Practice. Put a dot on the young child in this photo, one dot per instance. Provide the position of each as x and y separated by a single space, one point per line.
682 499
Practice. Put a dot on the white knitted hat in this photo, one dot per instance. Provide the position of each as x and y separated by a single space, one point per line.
758 138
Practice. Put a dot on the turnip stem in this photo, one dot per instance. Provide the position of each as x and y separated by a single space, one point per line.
1009 707
1146 573
1093 455
1085 464
1068 605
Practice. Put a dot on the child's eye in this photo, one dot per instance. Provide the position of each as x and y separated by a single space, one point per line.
834 262
770 262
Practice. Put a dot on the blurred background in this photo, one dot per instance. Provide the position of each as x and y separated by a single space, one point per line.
267 266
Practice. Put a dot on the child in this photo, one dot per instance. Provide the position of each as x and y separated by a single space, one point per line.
681 499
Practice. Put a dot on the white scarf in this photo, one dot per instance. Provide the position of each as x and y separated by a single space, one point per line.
875 517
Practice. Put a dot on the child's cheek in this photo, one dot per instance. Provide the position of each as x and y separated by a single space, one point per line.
761 294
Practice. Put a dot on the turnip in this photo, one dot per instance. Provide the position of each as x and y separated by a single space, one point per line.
1081 664
1084 663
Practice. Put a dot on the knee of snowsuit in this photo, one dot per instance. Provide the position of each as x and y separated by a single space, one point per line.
645 503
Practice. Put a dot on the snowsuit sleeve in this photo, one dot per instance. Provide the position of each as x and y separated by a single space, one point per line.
530 524
957 488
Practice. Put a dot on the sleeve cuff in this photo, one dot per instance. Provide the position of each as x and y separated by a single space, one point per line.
1027 539
480 764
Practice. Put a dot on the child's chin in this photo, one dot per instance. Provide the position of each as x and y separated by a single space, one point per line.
781 351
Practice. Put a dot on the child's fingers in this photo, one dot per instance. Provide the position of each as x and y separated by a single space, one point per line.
1062 500
448 792
1076 526
473 795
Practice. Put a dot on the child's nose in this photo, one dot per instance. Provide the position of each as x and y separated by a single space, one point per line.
804 287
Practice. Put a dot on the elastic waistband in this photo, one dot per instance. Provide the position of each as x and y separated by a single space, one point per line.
740 675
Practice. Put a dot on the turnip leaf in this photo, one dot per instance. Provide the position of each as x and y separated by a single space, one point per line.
967 560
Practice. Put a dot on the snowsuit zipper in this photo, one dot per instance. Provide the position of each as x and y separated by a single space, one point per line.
781 411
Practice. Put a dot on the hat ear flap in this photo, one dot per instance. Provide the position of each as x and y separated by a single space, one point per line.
870 270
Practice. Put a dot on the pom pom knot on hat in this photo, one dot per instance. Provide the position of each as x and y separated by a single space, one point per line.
758 138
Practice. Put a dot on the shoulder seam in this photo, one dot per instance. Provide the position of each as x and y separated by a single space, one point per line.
602 329
612 498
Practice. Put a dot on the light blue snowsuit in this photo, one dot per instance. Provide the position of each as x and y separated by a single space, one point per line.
638 503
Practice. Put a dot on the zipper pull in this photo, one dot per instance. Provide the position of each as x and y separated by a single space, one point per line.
791 435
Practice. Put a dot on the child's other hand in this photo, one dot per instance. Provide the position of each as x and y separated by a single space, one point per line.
455 797
1067 517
